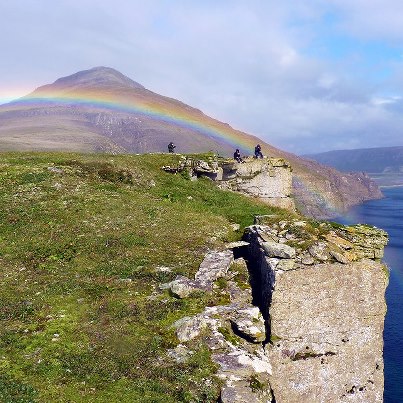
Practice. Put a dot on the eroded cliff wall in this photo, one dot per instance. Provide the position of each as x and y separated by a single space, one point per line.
321 291
269 179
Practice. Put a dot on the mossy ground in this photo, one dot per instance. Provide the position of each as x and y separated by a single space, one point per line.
82 242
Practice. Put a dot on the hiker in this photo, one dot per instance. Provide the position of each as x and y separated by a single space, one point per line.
258 151
237 156
171 147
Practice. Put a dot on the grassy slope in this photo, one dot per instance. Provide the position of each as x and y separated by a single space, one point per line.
80 245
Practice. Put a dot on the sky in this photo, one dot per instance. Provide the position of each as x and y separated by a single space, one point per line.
306 77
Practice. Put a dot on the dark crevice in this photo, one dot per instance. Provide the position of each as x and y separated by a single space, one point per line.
273 398
258 280
261 279
260 296
240 252
240 334
305 356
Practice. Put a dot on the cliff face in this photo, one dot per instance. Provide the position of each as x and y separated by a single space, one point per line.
268 179
328 336
323 299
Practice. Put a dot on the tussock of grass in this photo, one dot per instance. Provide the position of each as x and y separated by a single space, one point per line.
82 240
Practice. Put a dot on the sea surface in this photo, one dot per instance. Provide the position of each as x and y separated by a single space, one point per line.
387 214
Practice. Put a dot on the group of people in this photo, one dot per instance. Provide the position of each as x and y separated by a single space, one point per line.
237 154
258 154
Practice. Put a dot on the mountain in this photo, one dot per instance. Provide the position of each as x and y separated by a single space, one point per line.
383 164
373 160
101 110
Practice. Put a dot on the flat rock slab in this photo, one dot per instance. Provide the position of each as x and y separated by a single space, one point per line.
237 244
242 364
182 287
274 249
214 266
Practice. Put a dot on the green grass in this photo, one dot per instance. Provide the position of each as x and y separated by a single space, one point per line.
82 238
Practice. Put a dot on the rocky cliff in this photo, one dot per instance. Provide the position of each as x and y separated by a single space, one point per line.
268 179
321 291
317 335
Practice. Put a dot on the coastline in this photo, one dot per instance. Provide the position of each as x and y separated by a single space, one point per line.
387 180
390 186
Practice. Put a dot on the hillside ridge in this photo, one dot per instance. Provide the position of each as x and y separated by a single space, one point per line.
372 160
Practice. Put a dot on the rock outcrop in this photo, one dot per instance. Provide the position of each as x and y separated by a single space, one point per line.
309 329
269 179
323 298
234 332
214 266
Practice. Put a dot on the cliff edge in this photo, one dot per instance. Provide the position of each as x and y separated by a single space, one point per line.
322 292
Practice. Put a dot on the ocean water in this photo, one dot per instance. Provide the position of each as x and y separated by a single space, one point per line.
387 214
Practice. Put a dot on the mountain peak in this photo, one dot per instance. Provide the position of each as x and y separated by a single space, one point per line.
96 77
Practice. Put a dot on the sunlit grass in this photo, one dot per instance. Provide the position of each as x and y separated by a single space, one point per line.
82 238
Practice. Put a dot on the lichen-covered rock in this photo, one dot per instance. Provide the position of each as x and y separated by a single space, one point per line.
189 328
326 314
214 266
250 324
233 333
274 249
339 241
245 376
368 242
182 287
320 251
340 257
241 363
286 264
307 260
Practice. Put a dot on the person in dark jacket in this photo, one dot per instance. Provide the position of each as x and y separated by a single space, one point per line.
237 156
171 147
258 151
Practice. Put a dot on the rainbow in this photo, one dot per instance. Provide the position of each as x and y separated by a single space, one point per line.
171 112
325 203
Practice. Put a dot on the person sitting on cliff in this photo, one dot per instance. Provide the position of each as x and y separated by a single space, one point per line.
258 151
171 147
237 156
